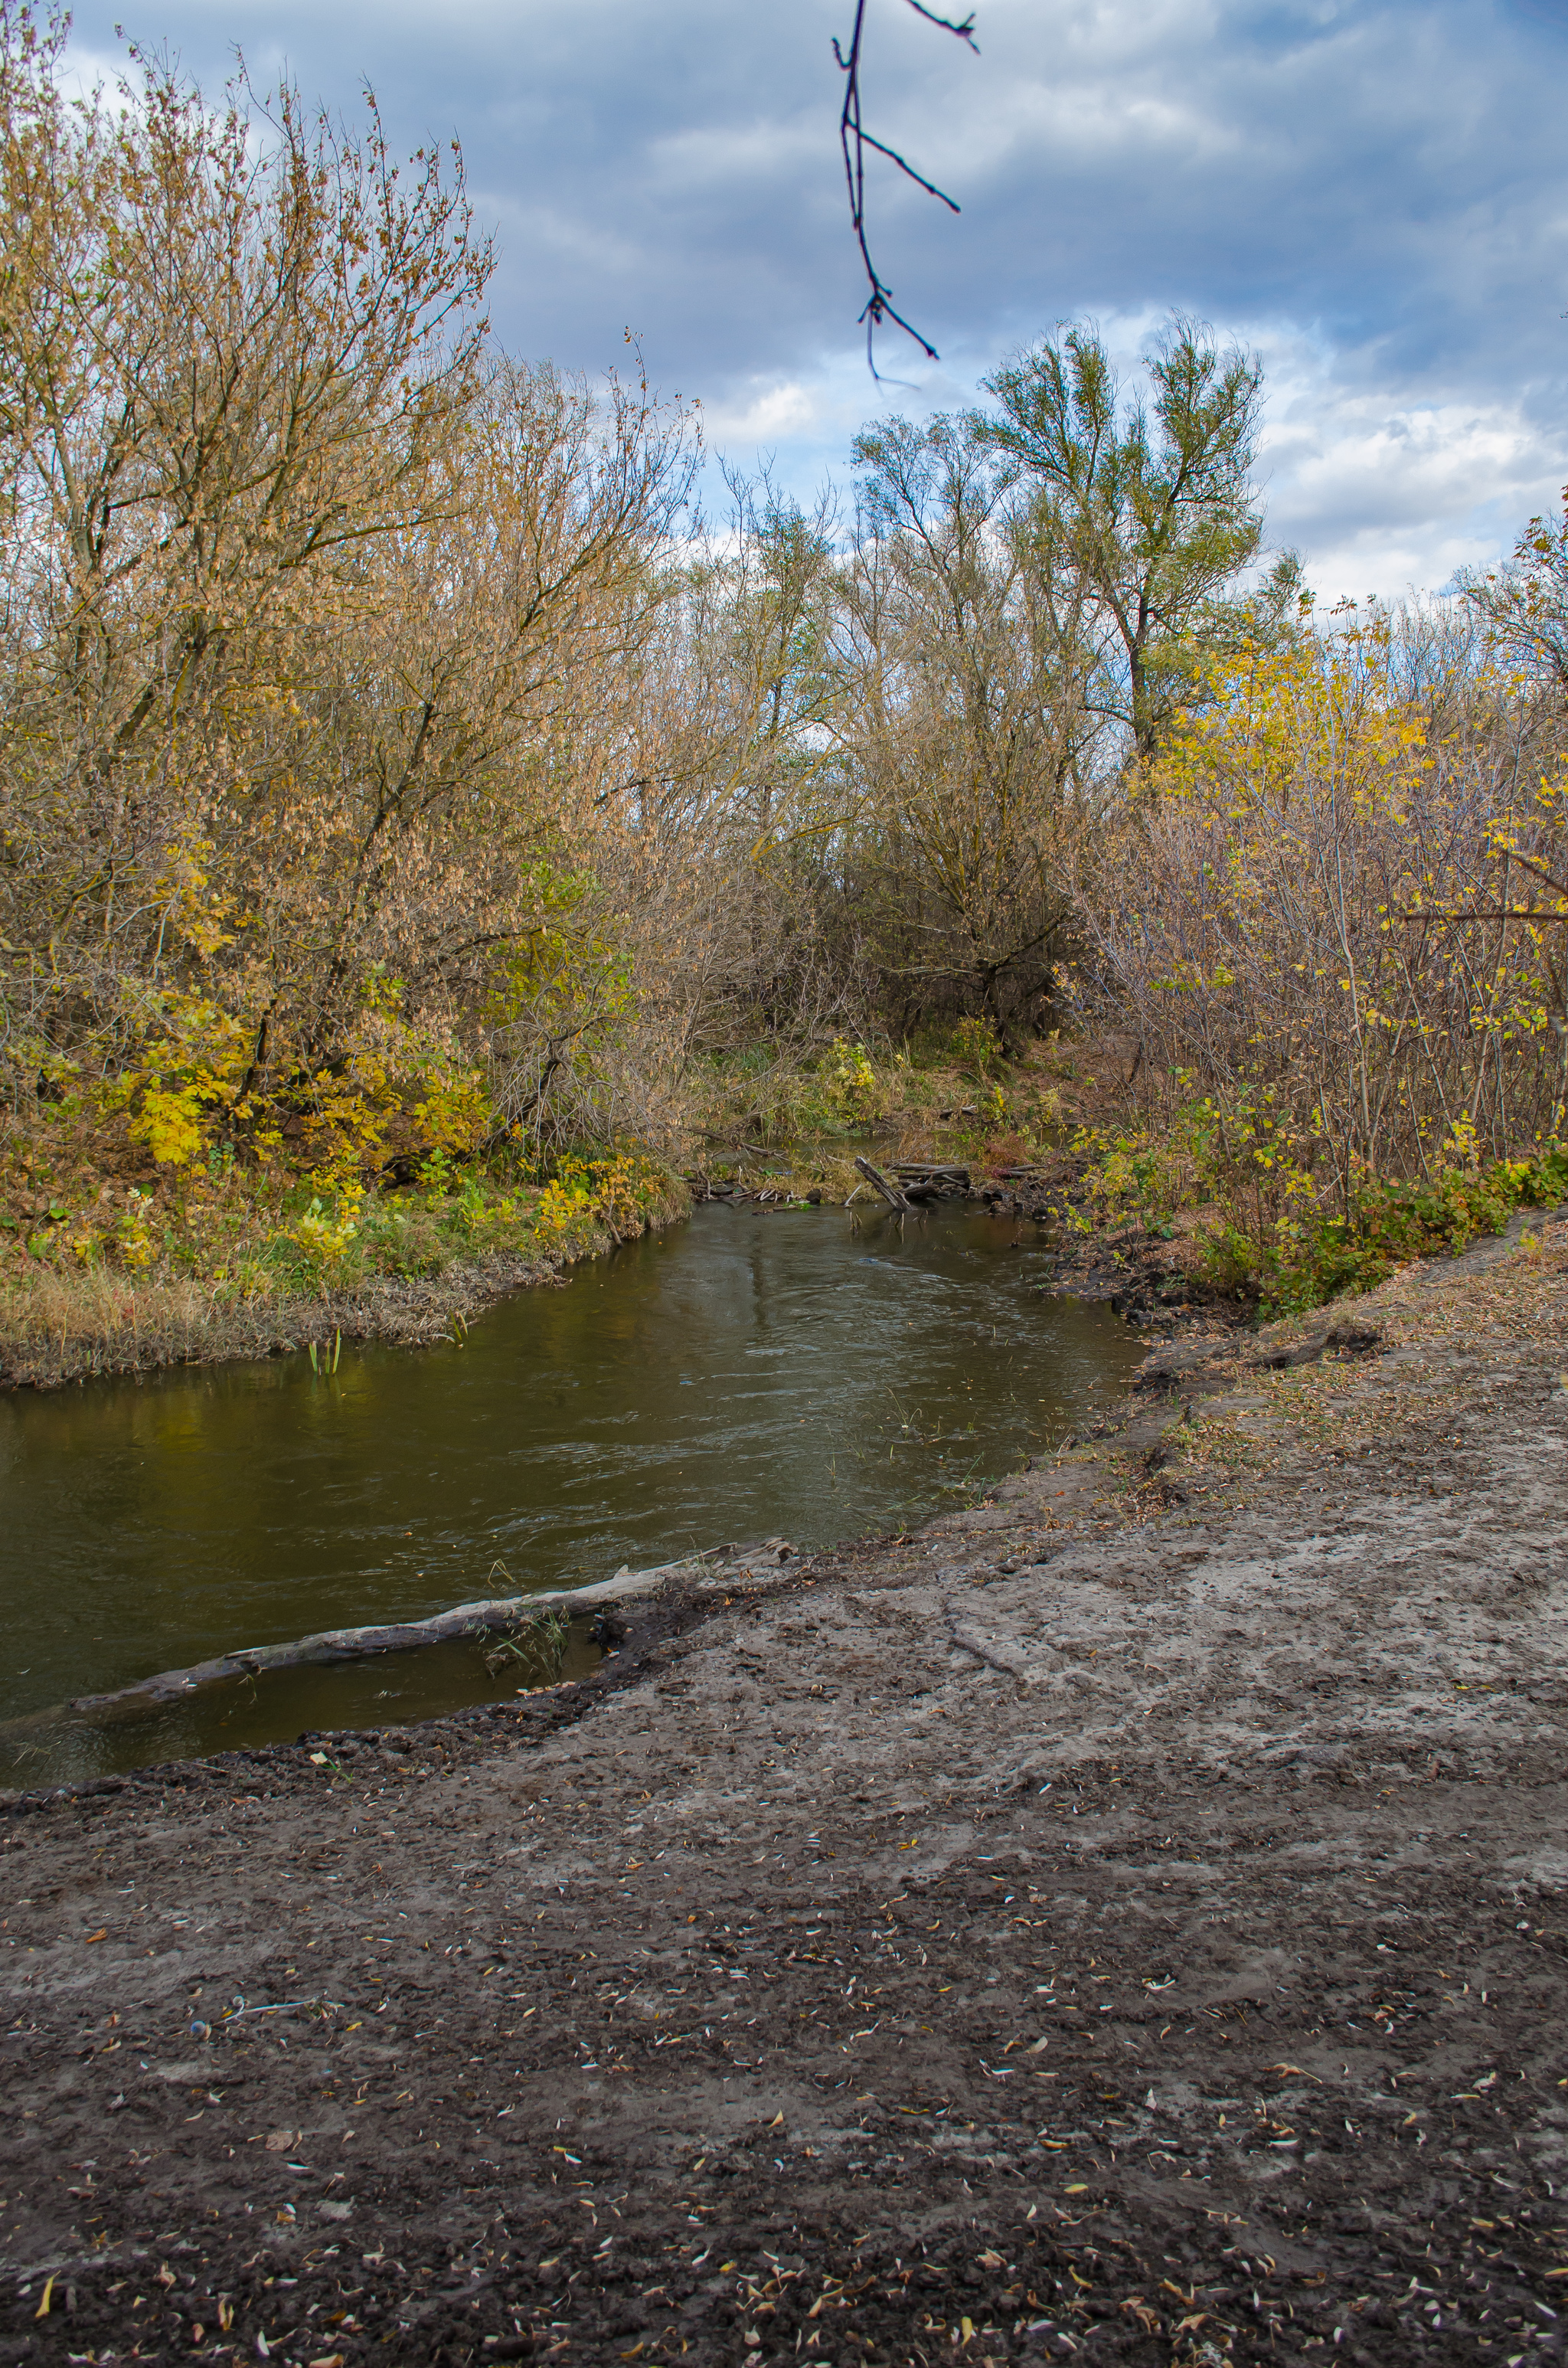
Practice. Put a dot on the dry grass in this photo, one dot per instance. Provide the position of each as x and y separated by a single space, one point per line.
59 1326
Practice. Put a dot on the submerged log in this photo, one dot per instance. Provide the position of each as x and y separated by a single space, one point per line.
471 1620
874 1176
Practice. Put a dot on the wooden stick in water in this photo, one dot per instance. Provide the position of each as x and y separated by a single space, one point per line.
889 1192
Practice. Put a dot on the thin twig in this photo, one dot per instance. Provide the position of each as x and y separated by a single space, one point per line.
854 140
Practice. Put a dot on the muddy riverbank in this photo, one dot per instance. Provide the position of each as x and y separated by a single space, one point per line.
1125 1918
743 1377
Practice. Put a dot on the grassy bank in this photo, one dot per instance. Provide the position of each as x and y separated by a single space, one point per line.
105 1277
1253 1222
113 1261
1249 1207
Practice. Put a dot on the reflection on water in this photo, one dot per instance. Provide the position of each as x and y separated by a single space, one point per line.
805 1373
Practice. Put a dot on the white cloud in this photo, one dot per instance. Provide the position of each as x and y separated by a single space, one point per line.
789 411
1380 494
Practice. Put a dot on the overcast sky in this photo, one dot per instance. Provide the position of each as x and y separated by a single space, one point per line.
1373 193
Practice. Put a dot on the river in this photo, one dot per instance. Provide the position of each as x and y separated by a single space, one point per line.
812 1373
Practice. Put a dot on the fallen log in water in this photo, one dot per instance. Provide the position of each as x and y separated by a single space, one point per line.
926 1180
353 1645
728 1567
874 1176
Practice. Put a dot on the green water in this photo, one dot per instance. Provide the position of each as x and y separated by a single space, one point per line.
812 1373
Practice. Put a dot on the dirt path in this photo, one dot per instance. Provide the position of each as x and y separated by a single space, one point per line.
1126 1920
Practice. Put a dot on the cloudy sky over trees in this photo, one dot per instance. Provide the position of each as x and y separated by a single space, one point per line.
1371 192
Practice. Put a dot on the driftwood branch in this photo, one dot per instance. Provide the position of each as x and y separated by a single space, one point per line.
889 1192
728 1568
331 1645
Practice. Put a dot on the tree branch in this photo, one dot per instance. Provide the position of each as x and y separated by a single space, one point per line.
854 140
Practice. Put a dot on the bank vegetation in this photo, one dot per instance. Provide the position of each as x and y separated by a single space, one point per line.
422 830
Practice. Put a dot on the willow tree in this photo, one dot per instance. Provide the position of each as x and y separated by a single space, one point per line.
318 614
235 352
1152 498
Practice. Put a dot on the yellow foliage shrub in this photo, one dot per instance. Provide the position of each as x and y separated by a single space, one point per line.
192 1059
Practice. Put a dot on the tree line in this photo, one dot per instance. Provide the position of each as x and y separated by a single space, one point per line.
395 764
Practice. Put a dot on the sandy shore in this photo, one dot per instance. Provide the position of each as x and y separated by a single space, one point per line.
1127 1919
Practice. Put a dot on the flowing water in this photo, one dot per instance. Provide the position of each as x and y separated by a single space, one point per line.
810 1373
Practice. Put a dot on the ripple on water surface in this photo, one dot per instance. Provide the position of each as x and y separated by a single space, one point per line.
808 1374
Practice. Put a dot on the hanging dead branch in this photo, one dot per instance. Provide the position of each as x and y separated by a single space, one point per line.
854 140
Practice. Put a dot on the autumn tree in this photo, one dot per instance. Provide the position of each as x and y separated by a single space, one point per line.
970 730
1524 605
233 352
318 607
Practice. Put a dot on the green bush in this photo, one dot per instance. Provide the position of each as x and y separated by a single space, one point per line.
977 1045
1309 1259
